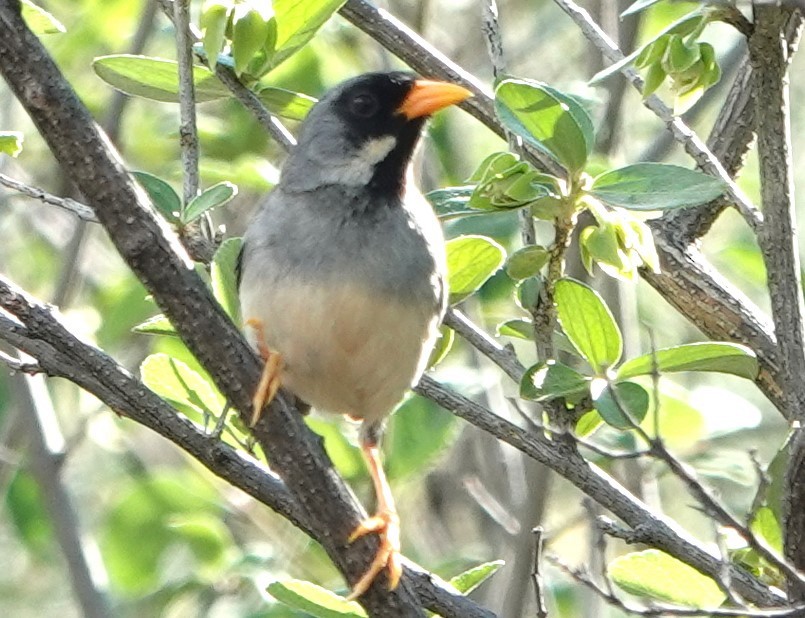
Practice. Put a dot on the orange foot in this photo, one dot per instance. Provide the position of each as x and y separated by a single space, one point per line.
387 524
271 378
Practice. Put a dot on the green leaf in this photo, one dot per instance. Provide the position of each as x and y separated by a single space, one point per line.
588 423
551 380
707 356
158 325
156 78
622 405
314 600
216 195
547 119
214 20
442 346
527 262
657 575
453 202
173 380
297 23
470 579
163 197
39 20
683 26
224 279
766 526
654 78
285 103
11 142
249 32
588 323
519 328
471 261
655 186
680 56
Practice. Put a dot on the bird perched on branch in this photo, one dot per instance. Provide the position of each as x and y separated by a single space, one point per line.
342 270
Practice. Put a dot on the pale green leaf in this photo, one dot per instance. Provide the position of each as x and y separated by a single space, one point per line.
471 261
158 325
661 577
217 195
39 20
470 579
547 119
314 600
588 323
175 381
224 277
720 357
11 143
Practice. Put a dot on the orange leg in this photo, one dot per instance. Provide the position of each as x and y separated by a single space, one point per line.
385 522
271 378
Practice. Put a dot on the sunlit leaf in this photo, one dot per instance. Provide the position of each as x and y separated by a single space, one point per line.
729 358
175 381
297 23
519 328
766 526
11 143
158 325
470 579
39 20
224 278
156 78
471 260
314 600
588 323
547 119
658 576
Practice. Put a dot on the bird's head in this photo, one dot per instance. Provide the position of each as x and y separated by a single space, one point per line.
363 132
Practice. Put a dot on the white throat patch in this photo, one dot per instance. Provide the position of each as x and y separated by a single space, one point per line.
358 170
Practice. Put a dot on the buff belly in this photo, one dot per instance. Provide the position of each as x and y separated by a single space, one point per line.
345 348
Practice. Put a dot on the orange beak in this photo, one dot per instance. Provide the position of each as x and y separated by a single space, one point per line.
427 97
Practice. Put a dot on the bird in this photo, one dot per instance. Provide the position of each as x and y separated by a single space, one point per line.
342 271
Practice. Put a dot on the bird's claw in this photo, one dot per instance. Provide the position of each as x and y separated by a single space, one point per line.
387 525
270 378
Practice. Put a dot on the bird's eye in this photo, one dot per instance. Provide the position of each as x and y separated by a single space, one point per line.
363 105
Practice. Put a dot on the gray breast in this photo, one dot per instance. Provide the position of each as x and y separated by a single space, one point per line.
394 249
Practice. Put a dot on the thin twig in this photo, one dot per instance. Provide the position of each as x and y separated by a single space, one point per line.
188 136
536 573
17 364
82 211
